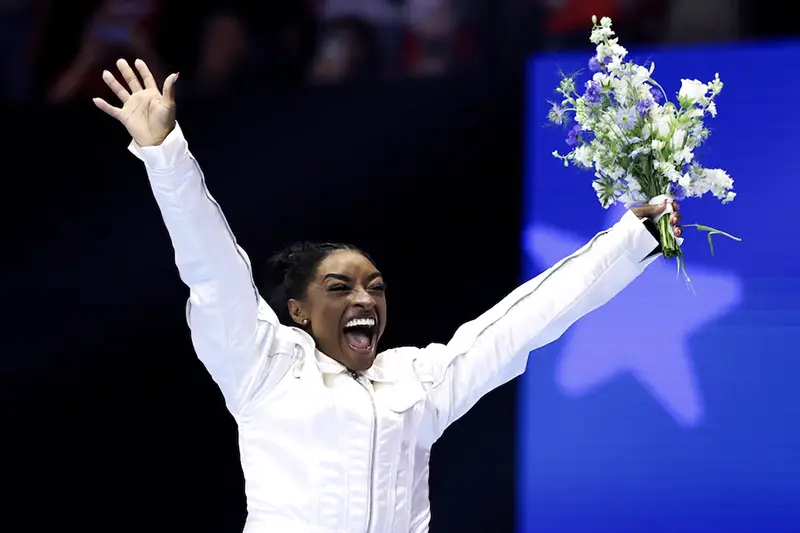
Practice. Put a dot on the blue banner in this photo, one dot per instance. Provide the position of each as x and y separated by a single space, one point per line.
668 411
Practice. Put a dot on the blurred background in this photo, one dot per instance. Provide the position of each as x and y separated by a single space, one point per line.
52 50
408 127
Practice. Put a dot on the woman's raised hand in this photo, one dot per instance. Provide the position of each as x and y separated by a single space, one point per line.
147 113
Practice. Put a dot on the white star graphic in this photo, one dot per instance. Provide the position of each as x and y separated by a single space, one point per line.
643 331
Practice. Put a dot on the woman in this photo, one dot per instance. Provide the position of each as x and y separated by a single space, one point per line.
333 436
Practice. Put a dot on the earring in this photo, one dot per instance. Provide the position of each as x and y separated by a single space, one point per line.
305 321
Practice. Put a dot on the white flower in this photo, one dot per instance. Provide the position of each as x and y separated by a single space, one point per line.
583 155
716 85
643 93
641 149
603 32
618 50
678 139
627 198
662 125
693 90
620 90
600 34
694 112
662 136
683 156
602 78
640 75
718 178
616 64
605 190
633 184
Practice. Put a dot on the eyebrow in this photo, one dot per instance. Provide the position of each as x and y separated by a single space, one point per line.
342 277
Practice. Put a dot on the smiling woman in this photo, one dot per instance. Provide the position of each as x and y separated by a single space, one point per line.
333 292
334 436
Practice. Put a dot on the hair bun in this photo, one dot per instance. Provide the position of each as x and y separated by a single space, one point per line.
284 261
292 269
279 265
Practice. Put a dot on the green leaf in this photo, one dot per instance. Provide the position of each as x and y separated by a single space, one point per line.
711 232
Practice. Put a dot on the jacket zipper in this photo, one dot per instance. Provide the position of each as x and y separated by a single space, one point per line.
373 444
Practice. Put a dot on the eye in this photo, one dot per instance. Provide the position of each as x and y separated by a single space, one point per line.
378 287
338 287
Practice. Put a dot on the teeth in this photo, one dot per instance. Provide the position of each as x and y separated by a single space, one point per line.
361 322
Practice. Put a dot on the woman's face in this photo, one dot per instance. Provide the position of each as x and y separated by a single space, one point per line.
345 306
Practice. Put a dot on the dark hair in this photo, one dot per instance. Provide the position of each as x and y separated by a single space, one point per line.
293 268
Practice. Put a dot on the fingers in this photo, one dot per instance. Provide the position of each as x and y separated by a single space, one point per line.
107 108
116 86
168 92
129 75
147 77
675 219
652 211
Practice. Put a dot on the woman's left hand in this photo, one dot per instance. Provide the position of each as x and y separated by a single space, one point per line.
652 211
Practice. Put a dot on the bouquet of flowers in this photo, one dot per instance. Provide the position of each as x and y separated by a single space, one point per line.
638 143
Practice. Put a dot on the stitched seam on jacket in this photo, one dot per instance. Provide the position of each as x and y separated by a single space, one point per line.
241 380
440 379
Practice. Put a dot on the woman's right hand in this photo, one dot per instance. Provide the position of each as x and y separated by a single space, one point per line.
147 114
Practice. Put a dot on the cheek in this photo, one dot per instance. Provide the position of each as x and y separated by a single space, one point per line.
327 318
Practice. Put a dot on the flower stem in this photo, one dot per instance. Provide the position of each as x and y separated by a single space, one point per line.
669 246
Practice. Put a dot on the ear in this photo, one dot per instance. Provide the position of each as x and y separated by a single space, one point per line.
297 313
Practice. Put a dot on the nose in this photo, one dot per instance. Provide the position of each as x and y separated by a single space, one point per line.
362 298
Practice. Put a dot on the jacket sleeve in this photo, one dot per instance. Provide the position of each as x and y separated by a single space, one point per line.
493 349
232 327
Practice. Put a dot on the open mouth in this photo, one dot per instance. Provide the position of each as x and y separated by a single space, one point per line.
360 334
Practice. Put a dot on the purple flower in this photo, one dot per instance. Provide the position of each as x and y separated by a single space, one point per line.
656 92
592 94
676 191
626 119
595 65
643 106
574 135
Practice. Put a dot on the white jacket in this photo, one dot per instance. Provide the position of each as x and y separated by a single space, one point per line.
324 450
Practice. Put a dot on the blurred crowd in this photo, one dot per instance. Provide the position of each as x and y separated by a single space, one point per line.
53 51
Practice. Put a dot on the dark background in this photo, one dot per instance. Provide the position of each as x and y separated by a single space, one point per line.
108 420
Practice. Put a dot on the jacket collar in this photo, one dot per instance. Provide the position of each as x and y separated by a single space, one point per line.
374 373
